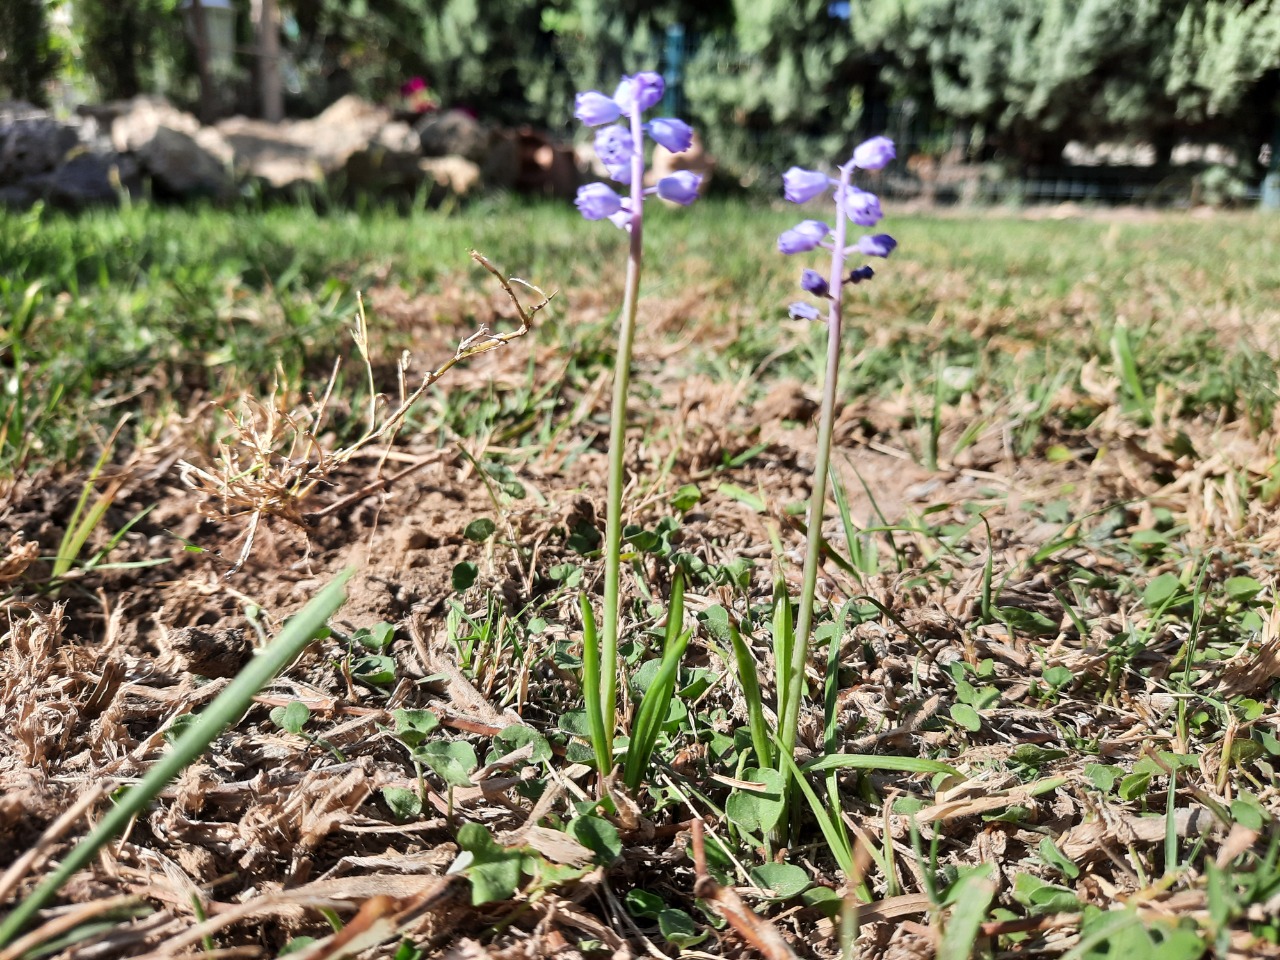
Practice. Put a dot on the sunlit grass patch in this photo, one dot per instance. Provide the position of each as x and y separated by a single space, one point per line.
1042 703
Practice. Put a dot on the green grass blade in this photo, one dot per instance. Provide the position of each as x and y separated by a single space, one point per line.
80 525
591 688
1122 356
970 897
649 717
225 710
987 609
746 667
856 761
648 722
831 716
862 556
836 840
784 637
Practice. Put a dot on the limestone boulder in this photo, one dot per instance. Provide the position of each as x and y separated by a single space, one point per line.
270 154
182 157
458 175
33 143
348 125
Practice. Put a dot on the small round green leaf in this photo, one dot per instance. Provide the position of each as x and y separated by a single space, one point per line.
599 836
291 718
642 903
404 804
464 575
479 529
452 760
966 716
678 928
757 811
780 881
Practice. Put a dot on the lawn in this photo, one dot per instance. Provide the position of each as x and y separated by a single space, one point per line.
1047 656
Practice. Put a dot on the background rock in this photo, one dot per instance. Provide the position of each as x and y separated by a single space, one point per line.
33 144
180 155
87 179
452 133
355 146
270 153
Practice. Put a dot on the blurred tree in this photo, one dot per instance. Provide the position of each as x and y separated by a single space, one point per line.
1034 74
134 46
27 57
513 60
785 83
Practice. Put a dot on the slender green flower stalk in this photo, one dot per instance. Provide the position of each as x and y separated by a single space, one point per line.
618 442
621 150
861 208
790 714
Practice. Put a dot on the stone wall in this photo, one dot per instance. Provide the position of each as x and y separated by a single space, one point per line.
352 148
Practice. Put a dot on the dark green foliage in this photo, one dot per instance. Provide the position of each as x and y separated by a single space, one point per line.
518 61
27 57
1033 74
784 84
134 46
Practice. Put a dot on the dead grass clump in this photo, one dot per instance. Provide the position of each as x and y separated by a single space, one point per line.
276 457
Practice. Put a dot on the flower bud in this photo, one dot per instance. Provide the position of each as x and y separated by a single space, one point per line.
863 208
874 154
637 94
593 108
803 237
675 135
681 187
614 145
815 283
595 201
880 245
803 185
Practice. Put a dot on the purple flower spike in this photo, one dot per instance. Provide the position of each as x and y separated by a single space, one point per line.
815 283
880 245
874 154
675 135
803 185
639 93
614 145
862 273
803 311
596 201
593 108
681 187
862 207
803 237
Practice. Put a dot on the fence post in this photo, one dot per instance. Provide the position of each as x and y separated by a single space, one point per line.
1271 182
674 73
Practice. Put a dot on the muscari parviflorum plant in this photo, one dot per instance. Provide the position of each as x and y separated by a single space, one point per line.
862 209
621 133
